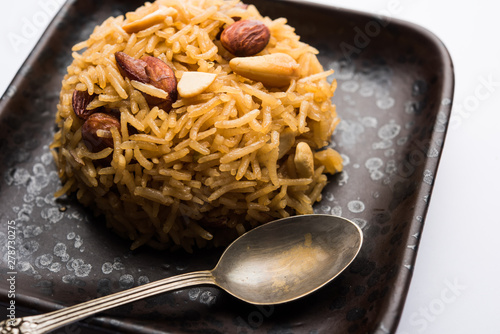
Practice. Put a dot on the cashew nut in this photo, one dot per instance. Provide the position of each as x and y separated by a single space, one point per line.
150 20
304 161
329 158
194 83
275 70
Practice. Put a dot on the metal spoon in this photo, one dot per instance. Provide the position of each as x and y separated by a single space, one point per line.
274 263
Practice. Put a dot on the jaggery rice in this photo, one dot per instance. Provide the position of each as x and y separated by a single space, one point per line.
214 165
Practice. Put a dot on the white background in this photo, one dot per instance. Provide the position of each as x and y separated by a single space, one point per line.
454 287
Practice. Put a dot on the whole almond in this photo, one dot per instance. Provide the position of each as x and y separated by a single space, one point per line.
163 77
245 38
81 100
153 71
95 122
134 69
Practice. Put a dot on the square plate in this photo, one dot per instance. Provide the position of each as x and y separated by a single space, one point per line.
395 88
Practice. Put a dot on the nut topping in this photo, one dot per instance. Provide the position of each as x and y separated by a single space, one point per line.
329 158
245 37
95 122
161 76
153 71
194 83
135 69
81 100
149 20
304 161
275 69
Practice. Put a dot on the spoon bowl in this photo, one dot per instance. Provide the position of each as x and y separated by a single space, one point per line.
274 263
288 258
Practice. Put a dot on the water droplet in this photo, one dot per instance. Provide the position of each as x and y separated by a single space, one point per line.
419 87
142 280
325 208
118 266
46 158
78 242
39 169
376 175
80 267
207 298
194 293
446 102
43 261
53 215
24 213
126 281
40 201
350 132
382 145
367 89
337 210
391 167
356 206
426 198
68 279
385 103
369 122
360 222
344 70
401 141
60 249
413 107
107 268
349 86
55 267
389 131
409 125
345 159
28 248
31 231
374 163
20 176
433 153
428 177
24 266
28 198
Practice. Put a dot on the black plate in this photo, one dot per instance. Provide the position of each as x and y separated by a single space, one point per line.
394 97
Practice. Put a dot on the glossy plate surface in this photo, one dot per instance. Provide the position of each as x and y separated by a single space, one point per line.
395 89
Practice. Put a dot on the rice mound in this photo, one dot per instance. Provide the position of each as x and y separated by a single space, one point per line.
216 164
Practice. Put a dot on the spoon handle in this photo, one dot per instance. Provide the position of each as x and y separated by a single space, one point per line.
44 323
